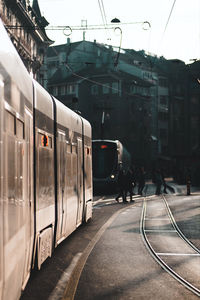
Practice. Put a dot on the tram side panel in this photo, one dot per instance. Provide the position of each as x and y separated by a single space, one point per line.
44 174
66 173
16 171
87 176
69 145
31 197
1 182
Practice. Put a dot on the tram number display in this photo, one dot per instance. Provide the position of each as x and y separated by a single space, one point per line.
45 140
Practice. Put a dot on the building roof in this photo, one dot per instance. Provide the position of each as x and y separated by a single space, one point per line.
36 9
68 47
130 67
42 22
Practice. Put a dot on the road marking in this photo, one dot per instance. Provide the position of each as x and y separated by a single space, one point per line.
58 291
158 230
177 254
152 219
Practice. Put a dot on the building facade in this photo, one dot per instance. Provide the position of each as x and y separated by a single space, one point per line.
26 28
117 99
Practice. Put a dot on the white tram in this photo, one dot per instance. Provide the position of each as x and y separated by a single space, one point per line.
45 172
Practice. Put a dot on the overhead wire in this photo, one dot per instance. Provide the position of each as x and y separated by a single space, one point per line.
166 25
169 17
103 15
152 63
90 80
100 84
104 19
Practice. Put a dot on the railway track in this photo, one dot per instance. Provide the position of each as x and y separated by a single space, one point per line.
157 255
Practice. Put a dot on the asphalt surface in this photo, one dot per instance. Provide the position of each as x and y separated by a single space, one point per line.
117 264
120 267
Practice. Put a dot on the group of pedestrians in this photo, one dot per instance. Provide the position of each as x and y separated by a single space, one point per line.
128 181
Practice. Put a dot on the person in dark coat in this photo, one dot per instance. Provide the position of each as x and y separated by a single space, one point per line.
164 182
121 182
158 181
134 179
141 180
129 184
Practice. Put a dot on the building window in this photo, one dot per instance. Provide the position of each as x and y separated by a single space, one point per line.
94 89
145 91
133 89
63 90
163 100
162 116
139 90
163 133
55 91
163 82
106 88
115 87
71 89
152 91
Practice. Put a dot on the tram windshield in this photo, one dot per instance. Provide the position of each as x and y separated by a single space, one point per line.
104 158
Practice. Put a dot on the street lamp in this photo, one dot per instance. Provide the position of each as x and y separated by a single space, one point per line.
115 20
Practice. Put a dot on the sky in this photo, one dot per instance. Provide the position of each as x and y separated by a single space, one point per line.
174 30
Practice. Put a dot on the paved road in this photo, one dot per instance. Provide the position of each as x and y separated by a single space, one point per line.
119 266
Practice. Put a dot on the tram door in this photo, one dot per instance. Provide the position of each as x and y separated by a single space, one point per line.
17 194
80 181
28 190
61 182
1 187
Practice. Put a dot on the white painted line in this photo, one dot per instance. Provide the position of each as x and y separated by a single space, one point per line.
158 230
152 219
58 291
177 254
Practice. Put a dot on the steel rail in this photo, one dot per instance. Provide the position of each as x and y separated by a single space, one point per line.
180 279
177 228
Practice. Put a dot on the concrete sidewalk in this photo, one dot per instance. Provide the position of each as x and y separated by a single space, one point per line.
182 189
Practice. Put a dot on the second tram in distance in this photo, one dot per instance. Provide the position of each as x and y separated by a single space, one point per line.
107 155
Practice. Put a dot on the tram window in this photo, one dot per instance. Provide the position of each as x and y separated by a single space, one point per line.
11 167
40 136
50 142
10 122
20 129
74 149
69 148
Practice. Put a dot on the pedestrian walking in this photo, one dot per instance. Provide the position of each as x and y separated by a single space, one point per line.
158 181
188 180
164 182
121 183
134 179
129 185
